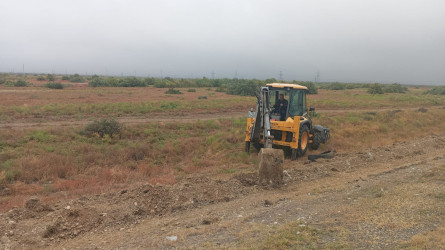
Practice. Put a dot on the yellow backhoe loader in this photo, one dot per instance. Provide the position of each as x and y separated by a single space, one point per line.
282 117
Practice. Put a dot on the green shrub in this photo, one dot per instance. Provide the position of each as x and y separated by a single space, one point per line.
40 78
65 78
310 86
98 82
221 89
244 87
10 174
191 90
54 85
394 88
20 83
202 97
40 136
110 127
376 89
173 91
436 91
76 78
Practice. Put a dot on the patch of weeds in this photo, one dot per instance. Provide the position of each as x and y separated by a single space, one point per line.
40 136
173 91
292 235
440 196
375 192
48 188
202 97
169 105
9 173
230 170
191 90
54 85
179 169
50 148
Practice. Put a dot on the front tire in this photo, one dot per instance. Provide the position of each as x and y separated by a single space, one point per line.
303 140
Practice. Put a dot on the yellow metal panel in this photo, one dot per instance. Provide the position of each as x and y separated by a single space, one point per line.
249 125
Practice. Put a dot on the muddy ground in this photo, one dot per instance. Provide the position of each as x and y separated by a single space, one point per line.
386 197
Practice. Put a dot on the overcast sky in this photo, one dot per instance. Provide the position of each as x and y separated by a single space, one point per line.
343 40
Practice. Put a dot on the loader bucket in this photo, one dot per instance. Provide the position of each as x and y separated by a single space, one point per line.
270 171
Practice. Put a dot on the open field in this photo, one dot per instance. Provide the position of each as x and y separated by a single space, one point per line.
178 168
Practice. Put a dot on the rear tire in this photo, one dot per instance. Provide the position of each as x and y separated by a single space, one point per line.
303 140
316 141
247 148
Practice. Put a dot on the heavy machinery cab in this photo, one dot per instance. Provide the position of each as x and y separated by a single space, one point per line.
295 99
282 118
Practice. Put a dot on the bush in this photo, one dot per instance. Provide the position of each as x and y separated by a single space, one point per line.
76 78
310 86
40 78
202 97
191 90
244 87
394 88
98 82
103 127
150 81
376 89
65 78
20 83
54 85
131 82
173 91
436 91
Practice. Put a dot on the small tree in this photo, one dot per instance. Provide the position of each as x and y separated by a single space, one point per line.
103 127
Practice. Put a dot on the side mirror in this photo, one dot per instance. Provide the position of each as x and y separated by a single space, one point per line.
311 109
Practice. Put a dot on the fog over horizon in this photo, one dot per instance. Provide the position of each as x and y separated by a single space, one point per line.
344 40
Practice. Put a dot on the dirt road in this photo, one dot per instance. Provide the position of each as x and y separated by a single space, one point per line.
381 198
71 121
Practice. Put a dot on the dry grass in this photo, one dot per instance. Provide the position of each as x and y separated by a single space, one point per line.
292 235
62 160
352 130
360 99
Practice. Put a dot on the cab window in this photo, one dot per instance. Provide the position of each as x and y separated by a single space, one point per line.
297 103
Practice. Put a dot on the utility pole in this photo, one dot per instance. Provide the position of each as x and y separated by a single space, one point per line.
281 75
